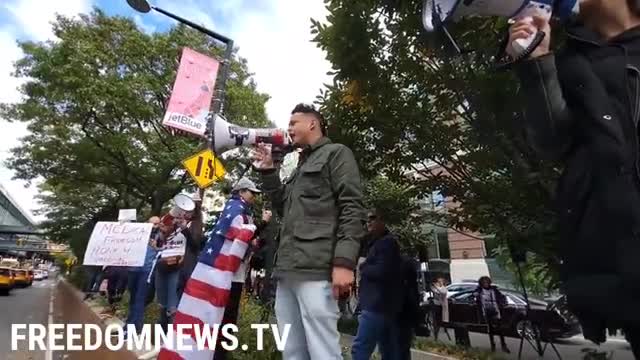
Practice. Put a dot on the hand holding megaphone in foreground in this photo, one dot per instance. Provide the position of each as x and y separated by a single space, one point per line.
522 32
536 13
262 157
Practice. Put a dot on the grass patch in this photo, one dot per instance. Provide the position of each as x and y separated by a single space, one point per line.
454 351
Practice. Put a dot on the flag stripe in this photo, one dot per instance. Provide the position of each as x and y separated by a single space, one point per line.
201 309
215 277
203 291
241 234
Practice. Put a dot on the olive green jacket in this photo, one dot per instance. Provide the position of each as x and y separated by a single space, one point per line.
323 217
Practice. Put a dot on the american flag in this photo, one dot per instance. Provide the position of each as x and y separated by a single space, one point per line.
207 291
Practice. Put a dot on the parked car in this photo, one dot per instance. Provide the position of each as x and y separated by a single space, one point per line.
22 278
38 275
552 318
7 280
452 289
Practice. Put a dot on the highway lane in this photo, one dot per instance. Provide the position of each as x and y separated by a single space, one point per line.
28 305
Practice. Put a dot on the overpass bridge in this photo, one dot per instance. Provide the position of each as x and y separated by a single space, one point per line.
19 233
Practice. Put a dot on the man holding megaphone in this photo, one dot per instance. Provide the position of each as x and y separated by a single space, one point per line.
583 109
322 212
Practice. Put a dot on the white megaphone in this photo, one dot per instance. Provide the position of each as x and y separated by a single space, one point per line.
227 136
437 12
182 206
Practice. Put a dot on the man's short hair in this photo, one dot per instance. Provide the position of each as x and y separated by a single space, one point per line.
310 109
379 214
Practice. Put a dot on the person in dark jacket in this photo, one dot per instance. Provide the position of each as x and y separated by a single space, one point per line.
409 318
582 109
491 303
322 212
192 229
380 302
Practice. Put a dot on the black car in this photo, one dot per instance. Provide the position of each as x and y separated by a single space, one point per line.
552 318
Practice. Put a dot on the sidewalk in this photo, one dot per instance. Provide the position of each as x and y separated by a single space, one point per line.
76 310
347 340
72 310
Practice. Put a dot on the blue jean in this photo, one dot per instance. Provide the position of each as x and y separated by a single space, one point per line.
138 289
375 329
310 310
167 293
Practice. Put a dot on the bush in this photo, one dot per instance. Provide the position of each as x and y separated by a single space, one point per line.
78 277
251 312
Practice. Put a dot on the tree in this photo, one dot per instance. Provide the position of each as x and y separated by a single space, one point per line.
401 211
404 103
94 102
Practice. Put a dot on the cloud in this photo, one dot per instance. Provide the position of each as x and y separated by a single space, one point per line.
34 17
187 9
146 27
31 21
278 47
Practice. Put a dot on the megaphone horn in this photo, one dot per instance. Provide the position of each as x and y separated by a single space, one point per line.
227 136
436 12
182 206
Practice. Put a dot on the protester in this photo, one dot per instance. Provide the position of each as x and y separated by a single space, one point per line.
96 275
257 263
172 242
410 317
582 109
491 303
192 229
139 279
244 191
322 225
116 285
379 291
439 291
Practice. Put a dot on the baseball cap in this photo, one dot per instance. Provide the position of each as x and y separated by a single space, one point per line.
246 184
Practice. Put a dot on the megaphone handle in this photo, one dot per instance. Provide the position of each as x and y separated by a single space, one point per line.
524 47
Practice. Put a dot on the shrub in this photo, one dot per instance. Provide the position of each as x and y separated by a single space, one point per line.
77 277
251 312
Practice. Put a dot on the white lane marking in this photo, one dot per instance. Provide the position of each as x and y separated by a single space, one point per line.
49 354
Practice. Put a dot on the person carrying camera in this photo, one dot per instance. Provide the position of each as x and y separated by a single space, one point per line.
582 106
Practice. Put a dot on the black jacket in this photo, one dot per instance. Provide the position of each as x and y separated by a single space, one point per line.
381 274
582 108
500 299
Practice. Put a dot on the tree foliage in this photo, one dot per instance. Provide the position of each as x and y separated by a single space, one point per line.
94 101
401 212
407 105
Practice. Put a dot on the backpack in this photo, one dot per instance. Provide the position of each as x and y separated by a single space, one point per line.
410 313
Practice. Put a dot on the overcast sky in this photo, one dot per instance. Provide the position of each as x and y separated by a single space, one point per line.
272 34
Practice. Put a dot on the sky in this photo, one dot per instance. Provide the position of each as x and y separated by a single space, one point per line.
273 35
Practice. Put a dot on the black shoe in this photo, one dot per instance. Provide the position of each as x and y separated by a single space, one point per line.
505 349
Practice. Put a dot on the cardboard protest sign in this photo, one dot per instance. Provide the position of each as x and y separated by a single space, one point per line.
127 215
118 244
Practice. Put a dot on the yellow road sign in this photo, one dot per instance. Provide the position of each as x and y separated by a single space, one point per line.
204 168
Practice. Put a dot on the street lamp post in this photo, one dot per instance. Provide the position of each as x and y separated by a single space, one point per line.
217 105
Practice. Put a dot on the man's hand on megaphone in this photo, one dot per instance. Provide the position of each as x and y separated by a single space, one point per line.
262 158
526 27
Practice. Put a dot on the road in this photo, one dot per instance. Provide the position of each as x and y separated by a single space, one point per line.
568 348
29 305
